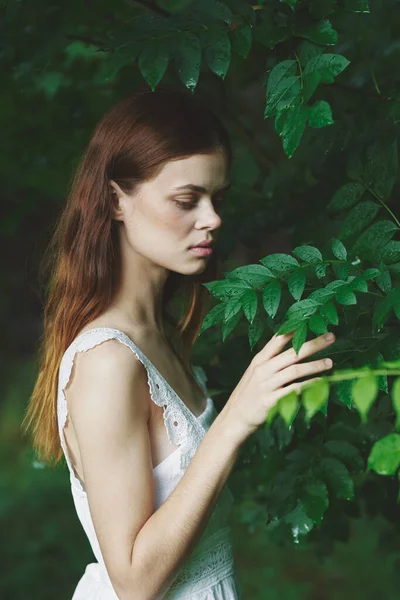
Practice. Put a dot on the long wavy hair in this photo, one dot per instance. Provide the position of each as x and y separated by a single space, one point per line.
80 267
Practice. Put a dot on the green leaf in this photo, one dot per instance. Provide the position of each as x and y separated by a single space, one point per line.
254 275
358 218
291 3
322 69
346 196
384 457
346 296
217 50
336 476
227 288
321 295
317 325
371 273
290 325
364 392
283 88
186 58
249 302
280 72
338 249
241 39
346 452
272 412
296 283
344 392
341 270
390 253
329 313
314 498
320 270
396 400
215 315
320 114
384 281
377 361
303 309
336 285
319 33
271 297
308 50
300 523
314 396
369 242
299 337
233 306
290 124
255 330
153 61
288 407
308 253
229 326
280 264
384 307
358 284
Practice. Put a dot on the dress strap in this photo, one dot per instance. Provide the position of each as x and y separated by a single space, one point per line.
183 429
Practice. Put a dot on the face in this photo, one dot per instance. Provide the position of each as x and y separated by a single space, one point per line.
179 208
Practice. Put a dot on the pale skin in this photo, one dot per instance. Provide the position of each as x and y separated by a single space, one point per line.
109 433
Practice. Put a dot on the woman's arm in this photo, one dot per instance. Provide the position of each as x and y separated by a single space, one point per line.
143 550
171 533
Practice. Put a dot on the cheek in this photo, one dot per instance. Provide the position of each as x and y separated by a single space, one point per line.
156 227
176 220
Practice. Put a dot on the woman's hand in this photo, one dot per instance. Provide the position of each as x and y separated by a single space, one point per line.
268 378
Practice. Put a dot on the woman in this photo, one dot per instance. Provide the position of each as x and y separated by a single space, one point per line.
148 454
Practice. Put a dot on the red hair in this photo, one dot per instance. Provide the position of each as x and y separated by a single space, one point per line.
129 145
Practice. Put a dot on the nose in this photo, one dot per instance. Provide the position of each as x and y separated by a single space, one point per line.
209 217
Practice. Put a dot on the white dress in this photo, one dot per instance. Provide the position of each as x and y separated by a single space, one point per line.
208 573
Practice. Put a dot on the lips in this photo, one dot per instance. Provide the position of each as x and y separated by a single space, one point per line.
204 245
201 250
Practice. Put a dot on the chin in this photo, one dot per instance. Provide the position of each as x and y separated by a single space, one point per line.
192 269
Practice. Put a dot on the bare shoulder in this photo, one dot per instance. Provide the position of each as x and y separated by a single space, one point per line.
109 370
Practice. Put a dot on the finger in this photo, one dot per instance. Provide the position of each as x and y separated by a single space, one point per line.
288 357
275 345
300 370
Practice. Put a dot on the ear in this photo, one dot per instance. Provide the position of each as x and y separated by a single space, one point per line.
116 196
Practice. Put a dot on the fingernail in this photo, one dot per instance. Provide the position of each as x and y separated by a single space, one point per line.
329 336
328 362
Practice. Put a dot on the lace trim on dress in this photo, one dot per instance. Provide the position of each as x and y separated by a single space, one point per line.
211 561
183 427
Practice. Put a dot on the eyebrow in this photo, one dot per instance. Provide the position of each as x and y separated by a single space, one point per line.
199 188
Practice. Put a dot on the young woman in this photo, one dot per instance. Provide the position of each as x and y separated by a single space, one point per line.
148 454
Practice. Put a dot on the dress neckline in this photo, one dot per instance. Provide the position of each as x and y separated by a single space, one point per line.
208 399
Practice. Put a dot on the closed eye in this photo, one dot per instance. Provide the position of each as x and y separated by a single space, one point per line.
192 201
